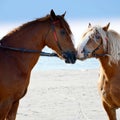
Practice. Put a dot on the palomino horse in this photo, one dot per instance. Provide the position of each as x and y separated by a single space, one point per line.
104 44
19 52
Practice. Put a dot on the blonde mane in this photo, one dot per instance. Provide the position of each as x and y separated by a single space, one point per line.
112 44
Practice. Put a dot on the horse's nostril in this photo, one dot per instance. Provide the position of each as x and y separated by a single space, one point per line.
83 50
70 57
65 55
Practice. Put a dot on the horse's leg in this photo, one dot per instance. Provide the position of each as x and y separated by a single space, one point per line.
13 111
111 112
5 106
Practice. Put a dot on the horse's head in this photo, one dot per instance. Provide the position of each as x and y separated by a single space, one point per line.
59 38
93 42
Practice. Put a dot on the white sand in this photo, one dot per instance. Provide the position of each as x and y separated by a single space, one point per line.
62 95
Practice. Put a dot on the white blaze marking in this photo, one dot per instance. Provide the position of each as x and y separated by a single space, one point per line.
82 44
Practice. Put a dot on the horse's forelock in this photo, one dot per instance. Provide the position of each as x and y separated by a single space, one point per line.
103 35
85 38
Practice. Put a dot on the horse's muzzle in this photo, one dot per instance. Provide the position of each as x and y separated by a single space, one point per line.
70 57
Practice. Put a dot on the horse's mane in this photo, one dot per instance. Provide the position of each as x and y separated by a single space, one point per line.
113 44
38 20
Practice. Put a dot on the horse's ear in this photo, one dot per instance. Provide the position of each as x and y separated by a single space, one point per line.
52 14
63 15
89 25
105 28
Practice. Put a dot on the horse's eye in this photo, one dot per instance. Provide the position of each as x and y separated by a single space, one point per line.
62 32
98 37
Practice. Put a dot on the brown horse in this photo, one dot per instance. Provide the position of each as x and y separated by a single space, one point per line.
104 44
19 52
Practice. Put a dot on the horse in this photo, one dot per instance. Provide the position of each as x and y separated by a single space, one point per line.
19 52
104 44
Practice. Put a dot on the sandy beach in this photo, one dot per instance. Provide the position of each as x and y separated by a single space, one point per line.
62 95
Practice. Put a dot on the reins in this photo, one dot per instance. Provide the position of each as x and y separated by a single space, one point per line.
29 51
24 50
19 49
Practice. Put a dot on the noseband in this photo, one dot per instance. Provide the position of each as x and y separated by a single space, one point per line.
94 54
24 50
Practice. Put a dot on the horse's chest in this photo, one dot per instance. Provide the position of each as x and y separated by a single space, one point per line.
107 92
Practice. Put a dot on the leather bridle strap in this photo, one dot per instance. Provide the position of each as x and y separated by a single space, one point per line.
20 49
94 54
55 34
94 51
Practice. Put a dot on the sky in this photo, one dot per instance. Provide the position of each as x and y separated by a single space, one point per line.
26 10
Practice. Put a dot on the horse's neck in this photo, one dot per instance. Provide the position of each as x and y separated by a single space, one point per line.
29 39
109 69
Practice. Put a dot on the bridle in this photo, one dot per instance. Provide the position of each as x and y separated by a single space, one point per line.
94 54
55 34
24 50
